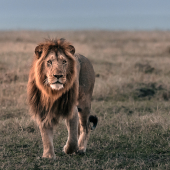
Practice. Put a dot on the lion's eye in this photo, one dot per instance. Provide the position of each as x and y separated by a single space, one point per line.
49 62
64 61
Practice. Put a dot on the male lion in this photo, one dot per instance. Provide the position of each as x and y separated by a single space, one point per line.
60 85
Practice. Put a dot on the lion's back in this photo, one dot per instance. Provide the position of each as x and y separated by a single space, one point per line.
86 75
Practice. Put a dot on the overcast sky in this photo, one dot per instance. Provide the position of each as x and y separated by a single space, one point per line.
87 14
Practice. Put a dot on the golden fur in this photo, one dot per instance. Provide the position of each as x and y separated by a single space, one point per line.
60 85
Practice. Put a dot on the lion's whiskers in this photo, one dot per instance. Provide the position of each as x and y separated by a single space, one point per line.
45 81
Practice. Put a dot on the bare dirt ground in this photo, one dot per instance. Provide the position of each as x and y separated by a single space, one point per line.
131 99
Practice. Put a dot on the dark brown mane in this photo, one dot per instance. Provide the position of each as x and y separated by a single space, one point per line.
48 105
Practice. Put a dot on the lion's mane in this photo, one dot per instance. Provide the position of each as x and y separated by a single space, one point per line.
48 105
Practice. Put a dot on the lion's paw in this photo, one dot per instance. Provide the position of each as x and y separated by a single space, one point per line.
81 150
49 155
69 149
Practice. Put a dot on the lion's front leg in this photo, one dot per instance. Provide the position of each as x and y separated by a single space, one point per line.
72 127
47 139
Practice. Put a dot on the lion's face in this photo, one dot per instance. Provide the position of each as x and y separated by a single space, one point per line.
56 65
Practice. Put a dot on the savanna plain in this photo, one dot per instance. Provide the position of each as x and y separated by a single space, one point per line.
131 99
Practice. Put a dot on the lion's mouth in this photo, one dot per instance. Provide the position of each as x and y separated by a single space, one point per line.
57 82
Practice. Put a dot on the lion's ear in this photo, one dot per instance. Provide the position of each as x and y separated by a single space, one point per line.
72 49
38 51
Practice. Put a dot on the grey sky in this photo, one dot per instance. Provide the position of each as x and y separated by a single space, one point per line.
87 14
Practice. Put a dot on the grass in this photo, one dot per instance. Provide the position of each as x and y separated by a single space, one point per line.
131 99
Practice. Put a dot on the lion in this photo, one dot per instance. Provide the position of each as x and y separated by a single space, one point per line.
60 85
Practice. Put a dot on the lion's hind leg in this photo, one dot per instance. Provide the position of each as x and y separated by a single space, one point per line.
84 128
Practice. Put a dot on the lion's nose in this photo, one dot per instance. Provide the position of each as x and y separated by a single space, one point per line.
58 76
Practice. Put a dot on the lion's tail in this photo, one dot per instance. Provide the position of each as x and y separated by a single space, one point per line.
94 120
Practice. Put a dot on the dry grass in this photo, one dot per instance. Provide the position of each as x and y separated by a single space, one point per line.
131 99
